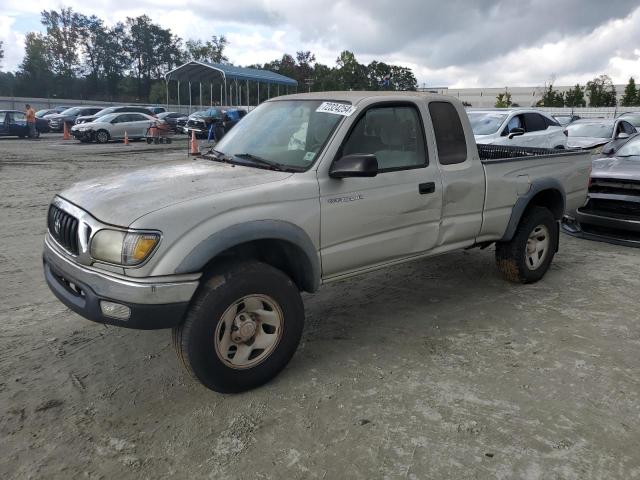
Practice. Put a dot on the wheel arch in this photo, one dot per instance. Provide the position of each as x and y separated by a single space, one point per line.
547 192
280 244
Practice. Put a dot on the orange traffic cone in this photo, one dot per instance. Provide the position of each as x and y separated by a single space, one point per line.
65 129
194 144
126 138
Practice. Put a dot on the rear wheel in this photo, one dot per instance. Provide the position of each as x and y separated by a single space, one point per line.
242 328
102 136
527 256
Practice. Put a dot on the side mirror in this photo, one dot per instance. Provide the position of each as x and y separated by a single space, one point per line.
355 165
608 150
622 135
516 132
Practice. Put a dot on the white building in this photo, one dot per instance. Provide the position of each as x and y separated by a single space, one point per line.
522 96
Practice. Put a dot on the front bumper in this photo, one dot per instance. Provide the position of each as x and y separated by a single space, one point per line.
154 303
611 229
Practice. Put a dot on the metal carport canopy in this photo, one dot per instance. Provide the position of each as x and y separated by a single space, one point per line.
195 71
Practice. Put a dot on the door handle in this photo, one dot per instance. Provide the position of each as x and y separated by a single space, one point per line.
428 187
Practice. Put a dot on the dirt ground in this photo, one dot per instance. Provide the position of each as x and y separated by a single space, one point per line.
435 369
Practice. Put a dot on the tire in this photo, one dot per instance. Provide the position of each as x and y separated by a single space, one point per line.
516 259
149 140
102 136
204 342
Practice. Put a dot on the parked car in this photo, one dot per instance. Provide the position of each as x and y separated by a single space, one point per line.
13 123
520 127
595 132
181 123
108 110
113 127
69 116
612 211
61 108
304 191
45 111
171 118
565 119
632 117
156 110
221 120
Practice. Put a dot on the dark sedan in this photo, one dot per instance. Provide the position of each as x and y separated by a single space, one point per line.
214 120
171 118
612 211
13 123
57 121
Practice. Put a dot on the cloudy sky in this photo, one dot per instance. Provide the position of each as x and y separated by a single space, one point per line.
455 43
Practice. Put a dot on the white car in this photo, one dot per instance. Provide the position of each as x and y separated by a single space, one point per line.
113 127
517 127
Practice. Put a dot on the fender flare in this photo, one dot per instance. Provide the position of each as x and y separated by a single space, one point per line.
523 202
241 233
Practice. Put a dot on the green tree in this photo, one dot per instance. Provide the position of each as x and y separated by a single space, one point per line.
630 97
63 36
601 92
551 98
152 50
503 100
34 73
210 51
575 97
351 74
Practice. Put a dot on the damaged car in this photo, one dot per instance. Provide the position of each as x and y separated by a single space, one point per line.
596 132
612 211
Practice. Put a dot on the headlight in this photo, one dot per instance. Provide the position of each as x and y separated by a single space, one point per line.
123 248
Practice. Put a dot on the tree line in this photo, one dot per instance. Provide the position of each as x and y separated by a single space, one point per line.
601 92
80 56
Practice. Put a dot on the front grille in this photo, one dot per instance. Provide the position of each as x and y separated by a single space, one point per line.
64 228
615 186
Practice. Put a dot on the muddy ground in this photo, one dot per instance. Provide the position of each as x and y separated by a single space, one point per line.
435 369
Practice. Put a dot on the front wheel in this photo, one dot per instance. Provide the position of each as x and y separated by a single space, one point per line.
102 136
242 328
528 255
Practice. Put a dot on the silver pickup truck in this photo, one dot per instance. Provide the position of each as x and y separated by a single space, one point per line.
307 189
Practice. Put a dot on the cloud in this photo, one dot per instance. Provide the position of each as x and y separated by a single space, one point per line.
454 42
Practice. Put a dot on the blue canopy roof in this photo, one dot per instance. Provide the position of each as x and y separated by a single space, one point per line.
195 71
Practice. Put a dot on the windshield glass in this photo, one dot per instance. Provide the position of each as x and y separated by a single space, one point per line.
632 119
594 130
631 148
108 117
290 133
71 111
486 123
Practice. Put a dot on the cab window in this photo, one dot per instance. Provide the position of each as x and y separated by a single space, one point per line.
394 134
450 140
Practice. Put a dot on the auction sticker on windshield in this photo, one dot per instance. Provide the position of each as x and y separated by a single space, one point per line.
336 108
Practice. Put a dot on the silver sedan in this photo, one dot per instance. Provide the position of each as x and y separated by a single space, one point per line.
113 127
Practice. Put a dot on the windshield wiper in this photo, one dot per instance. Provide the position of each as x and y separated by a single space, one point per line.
262 161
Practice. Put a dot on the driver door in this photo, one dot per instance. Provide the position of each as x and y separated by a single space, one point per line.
394 215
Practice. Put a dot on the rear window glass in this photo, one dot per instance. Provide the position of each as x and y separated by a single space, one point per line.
450 139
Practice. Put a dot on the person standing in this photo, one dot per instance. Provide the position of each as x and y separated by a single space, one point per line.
31 120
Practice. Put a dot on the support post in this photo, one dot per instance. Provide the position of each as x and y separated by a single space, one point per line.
190 110
258 102
200 95
179 95
225 90
211 95
248 101
166 83
278 89
268 91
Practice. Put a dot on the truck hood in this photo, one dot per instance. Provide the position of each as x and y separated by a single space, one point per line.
627 168
586 142
120 199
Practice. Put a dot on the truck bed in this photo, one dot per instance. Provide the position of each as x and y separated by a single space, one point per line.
515 172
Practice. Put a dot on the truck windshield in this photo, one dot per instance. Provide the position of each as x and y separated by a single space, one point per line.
592 130
486 123
289 133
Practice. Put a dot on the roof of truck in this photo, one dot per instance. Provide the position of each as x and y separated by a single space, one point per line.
355 97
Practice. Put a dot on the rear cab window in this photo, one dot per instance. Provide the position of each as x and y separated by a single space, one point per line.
451 142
